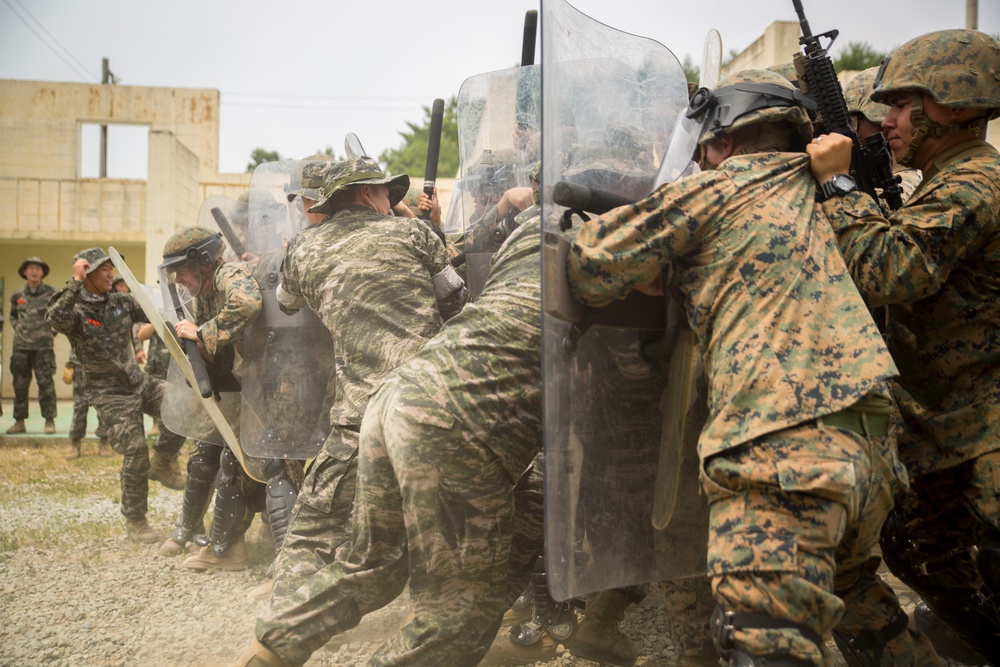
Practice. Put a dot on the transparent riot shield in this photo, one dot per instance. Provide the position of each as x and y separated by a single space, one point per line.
611 104
498 144
287 360
163 321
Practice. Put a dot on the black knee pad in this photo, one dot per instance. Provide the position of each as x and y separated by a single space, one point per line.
230 504
279 500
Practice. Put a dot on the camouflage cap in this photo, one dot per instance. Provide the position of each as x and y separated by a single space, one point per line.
95 256
958 68
307 177
33 260
363 170
858 92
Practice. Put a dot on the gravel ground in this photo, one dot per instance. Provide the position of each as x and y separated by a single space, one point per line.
90 597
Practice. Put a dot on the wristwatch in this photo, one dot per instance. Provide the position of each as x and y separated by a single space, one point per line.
838 186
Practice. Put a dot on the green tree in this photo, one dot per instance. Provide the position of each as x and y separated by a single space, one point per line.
857 56
691 71
411 156
259 156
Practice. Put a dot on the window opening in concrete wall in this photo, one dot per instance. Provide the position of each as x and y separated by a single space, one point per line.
128 151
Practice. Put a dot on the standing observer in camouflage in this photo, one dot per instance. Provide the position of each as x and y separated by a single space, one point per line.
98 323
798 464
73 374
382 285
936 263
32 350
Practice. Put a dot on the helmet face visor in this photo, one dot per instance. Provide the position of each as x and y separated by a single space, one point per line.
183 276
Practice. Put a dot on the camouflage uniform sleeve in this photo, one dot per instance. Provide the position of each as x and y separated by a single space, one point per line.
135 311
61 315
242 305
449 288
13 308
911 255
630 245
288 292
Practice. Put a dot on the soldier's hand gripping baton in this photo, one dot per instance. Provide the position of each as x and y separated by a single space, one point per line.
227 230
433 150
191 348
871 160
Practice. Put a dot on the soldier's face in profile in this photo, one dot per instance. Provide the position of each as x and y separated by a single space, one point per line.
898 125
189 278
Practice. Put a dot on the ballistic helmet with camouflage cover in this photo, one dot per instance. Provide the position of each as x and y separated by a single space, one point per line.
95 256
613 158
493 173
33 260
362 170
307 177
196 245
858 92
752 97
958 68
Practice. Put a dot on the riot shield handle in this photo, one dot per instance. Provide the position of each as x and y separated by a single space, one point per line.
227 230
191 347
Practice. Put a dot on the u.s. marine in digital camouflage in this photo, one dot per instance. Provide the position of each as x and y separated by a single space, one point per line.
798 464
935 262
225 300
383 286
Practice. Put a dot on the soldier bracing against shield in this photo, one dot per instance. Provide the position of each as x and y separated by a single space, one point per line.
382 285
445 450
32 351
225 301
934 263
98 322
798 464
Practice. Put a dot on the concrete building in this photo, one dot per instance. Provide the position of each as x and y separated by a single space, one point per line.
47 207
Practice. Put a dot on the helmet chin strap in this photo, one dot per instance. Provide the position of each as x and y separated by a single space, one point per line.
925 127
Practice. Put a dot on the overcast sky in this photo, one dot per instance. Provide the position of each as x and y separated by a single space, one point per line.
298 75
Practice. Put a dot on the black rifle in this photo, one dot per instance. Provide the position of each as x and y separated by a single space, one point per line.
871 160
191 348
431 166
228 231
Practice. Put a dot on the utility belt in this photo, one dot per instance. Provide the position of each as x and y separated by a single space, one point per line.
869 417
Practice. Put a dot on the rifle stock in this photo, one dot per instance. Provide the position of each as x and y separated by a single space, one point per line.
871 161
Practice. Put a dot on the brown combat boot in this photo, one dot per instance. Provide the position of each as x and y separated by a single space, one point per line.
18 427
104 448
258 655
165 470
598 637
75 450
140 532
235 558
50 426
261 592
